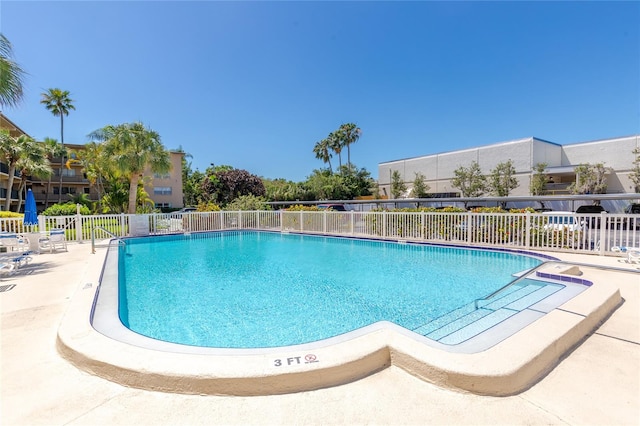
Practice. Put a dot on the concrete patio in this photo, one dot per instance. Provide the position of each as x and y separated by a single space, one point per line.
597 383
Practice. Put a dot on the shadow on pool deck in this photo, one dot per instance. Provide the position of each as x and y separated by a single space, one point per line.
597 383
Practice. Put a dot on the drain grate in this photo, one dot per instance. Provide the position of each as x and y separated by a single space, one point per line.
6 287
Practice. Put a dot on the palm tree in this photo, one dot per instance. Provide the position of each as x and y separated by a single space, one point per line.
12 150
53 149
132 148
336 144
321 149
35 163
11 75
58 102
350 133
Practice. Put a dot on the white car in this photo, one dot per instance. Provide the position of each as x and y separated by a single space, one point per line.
563 221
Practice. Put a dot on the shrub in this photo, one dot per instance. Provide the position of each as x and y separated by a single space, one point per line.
67 209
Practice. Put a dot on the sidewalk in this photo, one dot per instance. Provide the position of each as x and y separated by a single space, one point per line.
597 383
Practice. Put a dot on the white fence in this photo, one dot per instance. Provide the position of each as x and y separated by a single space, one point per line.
547 231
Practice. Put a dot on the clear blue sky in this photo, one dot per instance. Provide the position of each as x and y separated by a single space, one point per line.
256 84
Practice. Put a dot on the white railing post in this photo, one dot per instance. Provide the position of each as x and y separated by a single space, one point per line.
384 224
603 230
527 230
324 221
351 225
123 228
469 225
78 223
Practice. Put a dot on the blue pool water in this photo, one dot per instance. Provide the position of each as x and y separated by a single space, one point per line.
256 290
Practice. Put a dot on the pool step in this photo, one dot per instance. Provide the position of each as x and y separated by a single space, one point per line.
477 327
466 322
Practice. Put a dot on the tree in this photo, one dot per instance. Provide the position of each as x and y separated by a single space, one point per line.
224 186
133 148
349 134
53 149
59 103
11 75
321 149
502 180
420 188
590 179
12 151
34 163
635 172
538 180
336 144
398 187
284 190
470 181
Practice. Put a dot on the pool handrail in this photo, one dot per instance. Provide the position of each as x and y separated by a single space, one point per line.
511 283
112 235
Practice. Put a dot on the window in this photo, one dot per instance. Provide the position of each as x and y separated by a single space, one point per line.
87 190
162 175
163 205
162 190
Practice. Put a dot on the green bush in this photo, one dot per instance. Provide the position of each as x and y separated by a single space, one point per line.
67 209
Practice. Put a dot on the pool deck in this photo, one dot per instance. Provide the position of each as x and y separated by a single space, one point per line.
597 383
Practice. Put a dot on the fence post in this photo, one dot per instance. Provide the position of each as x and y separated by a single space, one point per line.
603 229
469 225
123 228
527 230
78 223
351 224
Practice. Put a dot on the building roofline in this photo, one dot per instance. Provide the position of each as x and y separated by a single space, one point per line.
603 140
15 126
529 138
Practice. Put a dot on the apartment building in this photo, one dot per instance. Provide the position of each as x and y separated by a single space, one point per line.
165 190
525 154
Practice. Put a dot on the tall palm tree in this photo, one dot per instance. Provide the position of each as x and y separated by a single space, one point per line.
133 148
11 75
336 144
321 149
12 149
59 103
350 133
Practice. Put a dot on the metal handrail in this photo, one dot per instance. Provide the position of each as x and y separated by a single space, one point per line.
112 235
517 280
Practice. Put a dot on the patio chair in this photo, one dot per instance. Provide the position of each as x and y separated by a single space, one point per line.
55 239
12 241
7 268
633 253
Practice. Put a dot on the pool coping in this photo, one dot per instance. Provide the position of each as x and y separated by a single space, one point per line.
509 367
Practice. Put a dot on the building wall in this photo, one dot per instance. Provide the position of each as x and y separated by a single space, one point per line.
166 190
525 154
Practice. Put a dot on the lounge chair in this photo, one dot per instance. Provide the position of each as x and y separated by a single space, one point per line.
12 241
17 260
7 268
55 239
633 253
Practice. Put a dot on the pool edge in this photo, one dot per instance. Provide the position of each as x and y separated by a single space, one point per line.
507 368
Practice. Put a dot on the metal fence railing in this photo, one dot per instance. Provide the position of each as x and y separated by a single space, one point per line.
549 231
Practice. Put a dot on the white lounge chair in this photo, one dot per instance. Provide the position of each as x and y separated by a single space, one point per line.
55 239
7 268
633 253
12 241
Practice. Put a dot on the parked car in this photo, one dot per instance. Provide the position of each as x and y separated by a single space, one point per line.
334 207
567 221
632 208
594 222
631 222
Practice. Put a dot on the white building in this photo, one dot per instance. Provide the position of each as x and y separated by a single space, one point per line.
525 154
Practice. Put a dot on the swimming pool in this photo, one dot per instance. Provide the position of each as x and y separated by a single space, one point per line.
496 345
259 289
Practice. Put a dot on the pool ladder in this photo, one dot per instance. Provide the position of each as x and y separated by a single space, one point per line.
112 235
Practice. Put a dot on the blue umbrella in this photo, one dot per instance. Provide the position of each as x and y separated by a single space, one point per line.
30 212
